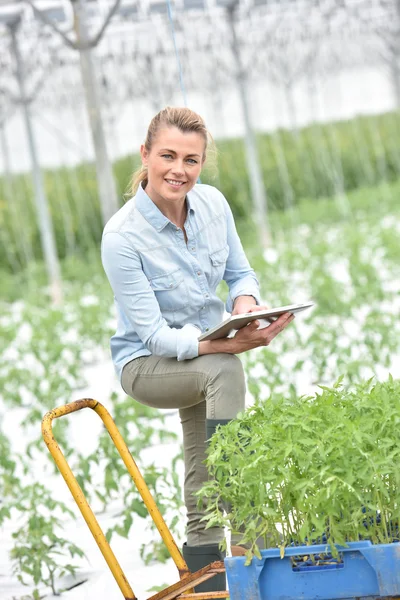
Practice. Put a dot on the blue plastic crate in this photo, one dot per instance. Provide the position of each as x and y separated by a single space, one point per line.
367 572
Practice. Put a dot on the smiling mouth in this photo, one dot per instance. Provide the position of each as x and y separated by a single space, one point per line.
174 182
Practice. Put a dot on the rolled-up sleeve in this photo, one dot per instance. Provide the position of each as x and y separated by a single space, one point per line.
239 276
137 300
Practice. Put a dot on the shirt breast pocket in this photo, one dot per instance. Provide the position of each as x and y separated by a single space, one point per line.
170 291
218 260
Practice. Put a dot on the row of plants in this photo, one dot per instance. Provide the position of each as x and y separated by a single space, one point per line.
321 160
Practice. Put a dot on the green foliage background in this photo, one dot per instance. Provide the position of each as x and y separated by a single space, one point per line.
318 161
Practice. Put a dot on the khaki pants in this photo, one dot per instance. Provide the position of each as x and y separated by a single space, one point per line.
211 386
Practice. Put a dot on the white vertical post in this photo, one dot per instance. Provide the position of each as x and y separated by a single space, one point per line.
6 160
47 236
106 182
257 187
154 78
18 240
9 241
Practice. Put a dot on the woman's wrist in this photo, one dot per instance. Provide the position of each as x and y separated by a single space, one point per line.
242 304
224 345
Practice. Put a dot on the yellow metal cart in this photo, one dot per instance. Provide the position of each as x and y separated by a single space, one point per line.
183 589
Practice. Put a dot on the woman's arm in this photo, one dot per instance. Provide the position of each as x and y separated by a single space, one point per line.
137 300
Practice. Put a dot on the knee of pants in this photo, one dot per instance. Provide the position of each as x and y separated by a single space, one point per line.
226 387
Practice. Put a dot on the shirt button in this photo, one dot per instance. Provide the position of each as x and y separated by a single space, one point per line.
207 328
207 295
203 307
193 249
198 272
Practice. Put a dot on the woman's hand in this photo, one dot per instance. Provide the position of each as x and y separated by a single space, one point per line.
250 337
246 304
247 338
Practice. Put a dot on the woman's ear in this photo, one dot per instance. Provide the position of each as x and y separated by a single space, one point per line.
144 154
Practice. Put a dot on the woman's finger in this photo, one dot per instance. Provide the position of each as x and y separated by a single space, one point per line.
279 325
279 321
255 324
257 308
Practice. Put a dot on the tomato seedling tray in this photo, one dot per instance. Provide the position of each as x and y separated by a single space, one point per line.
365 571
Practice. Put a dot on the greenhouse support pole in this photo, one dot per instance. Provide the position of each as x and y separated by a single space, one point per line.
8 189
105 178
6 161
257 187
8 238
395 66
47 236
154 76
395 75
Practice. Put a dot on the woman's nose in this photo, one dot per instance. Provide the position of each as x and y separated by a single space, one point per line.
177 167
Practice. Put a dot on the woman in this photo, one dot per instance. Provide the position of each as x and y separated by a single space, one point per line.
164 253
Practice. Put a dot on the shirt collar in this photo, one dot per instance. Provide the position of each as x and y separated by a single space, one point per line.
151 212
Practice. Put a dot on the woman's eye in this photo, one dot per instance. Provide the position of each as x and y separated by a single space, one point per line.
192 161
166 155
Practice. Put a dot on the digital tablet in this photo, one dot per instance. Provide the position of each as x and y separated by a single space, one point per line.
238 321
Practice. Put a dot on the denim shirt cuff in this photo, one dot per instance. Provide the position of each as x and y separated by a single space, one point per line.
188 342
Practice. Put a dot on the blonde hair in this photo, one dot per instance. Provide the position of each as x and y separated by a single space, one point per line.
185 120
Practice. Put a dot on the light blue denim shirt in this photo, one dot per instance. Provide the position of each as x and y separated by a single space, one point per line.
165 289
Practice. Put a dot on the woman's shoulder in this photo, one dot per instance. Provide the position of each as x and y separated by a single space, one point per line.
124 220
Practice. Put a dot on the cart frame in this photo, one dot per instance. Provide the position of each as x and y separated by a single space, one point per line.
183 589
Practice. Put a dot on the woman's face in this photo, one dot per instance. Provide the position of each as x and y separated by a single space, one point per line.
174 164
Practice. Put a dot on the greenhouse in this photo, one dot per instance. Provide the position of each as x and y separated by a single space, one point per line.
273 180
